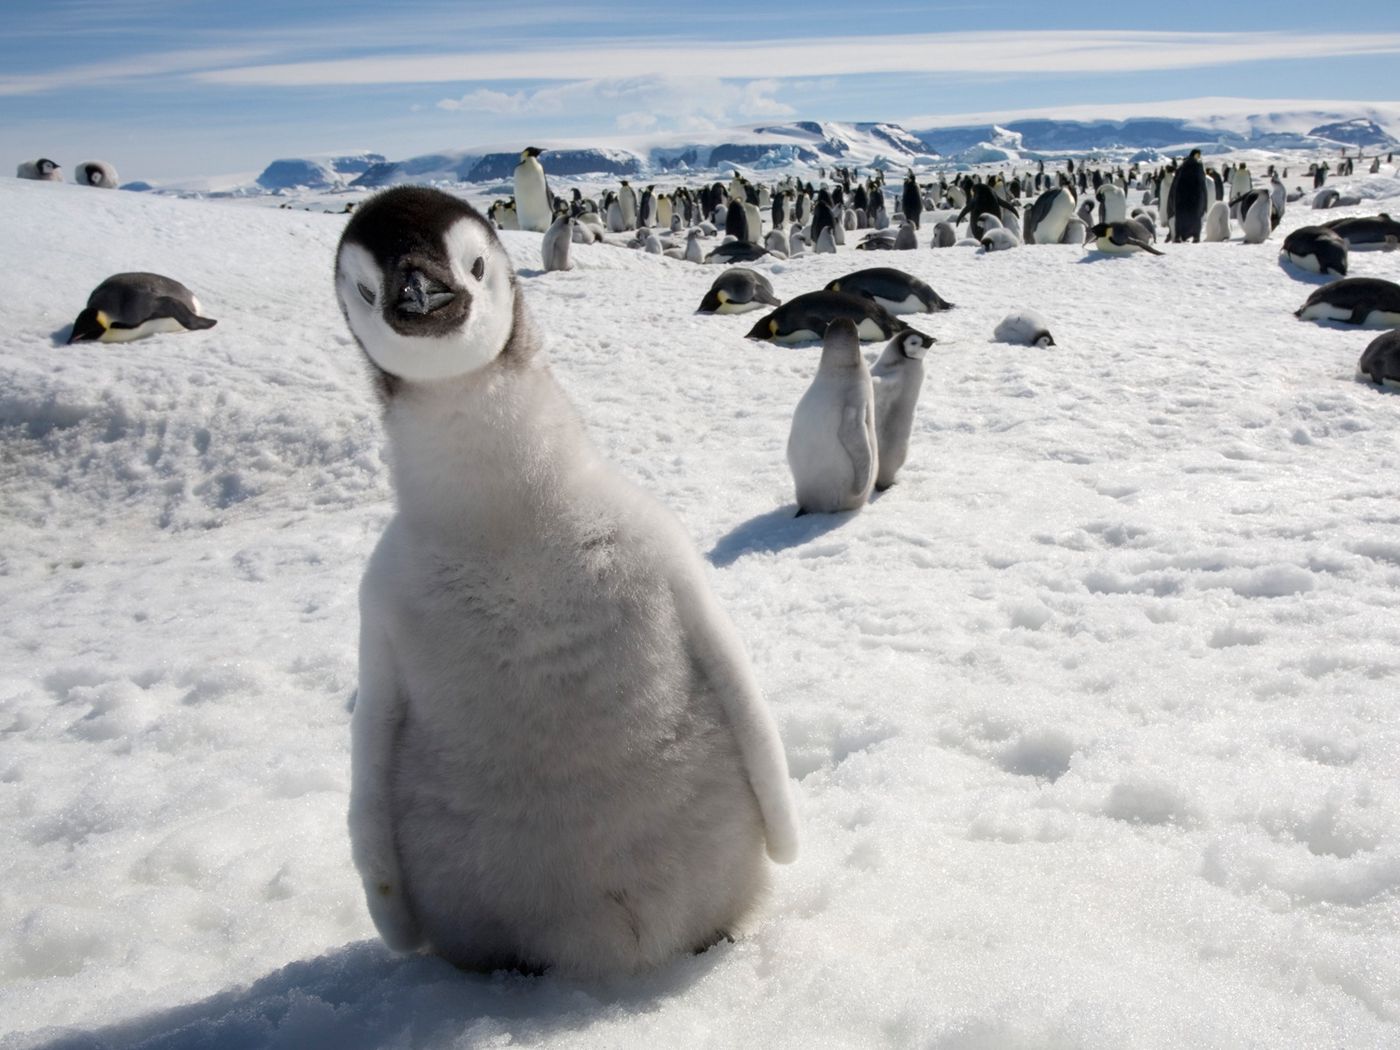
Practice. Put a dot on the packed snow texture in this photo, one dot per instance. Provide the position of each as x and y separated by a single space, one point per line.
1093 712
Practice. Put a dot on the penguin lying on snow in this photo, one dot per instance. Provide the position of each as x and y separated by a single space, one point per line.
1365 301
96 173
1024 328
1367 232
1380 363
496 819
895 290
1318 249
736 251
806 317
43 169
1121 238
129 306
737 291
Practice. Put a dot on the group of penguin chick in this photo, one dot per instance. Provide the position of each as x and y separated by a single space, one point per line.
96 173
850 432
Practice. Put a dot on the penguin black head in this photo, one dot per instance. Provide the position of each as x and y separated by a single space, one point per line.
914 344
425 286
530 151
88 327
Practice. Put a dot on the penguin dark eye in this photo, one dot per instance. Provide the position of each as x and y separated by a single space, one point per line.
365 293
479 268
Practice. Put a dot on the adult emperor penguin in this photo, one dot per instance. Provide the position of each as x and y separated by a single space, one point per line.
560 757
531 194
1121 238
738 290
897 291
554 247
806 317
1113 204
897 376
1045 220
832 447
43 169
1318 249
129 306
1189 199
1380 362
1367 301
96 173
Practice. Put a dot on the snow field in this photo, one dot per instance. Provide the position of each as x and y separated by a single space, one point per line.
1093 711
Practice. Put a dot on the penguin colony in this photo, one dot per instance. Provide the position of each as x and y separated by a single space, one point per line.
616 857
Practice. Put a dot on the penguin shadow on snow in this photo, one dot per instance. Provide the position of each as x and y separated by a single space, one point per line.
60 336
773 531
1304 276
363 996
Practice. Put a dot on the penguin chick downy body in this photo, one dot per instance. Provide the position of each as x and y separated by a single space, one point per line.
898 377
560 758
832 447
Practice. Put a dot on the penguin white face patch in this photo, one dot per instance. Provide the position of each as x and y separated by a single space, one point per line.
460 298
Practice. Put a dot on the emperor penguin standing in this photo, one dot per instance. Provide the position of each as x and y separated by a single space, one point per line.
832 447
560 757
531 193
554 248
897 377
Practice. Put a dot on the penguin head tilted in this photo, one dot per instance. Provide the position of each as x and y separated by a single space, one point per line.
914 344
425 286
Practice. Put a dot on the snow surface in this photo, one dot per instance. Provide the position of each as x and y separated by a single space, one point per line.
1093 712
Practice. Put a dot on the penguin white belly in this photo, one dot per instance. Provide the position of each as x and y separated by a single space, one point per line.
910 304
1307 262
531 197
729 306
145 328
567 790
797 335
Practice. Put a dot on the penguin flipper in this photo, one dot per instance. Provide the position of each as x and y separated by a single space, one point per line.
721 663
855 439
166 306
374 729
1144 246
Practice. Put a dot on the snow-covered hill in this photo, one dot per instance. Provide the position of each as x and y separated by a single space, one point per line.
1093 713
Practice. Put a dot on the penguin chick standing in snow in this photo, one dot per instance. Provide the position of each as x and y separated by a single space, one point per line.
832 447
554 248
560 758
531 193
897 377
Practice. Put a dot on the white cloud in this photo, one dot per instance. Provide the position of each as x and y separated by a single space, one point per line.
638 103
1000 52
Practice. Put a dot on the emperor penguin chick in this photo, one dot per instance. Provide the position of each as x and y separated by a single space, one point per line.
560 757
897 376
832 446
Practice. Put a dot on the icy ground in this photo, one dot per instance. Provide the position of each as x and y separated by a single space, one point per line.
1094 713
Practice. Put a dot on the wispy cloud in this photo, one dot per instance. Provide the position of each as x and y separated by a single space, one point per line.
1000 52
637 103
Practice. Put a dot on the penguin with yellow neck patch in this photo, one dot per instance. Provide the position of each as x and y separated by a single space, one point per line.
129 306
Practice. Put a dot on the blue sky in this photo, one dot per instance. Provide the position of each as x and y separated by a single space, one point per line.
170 88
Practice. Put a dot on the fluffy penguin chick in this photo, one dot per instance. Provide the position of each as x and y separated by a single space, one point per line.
832 446
560 758
897 376
1024 328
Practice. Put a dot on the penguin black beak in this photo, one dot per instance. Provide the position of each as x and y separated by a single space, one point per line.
422 294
